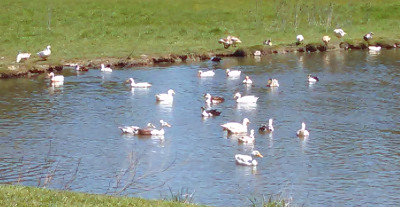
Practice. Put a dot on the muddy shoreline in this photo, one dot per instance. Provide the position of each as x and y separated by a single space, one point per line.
22 70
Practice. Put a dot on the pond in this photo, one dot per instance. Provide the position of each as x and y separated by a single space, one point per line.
67 137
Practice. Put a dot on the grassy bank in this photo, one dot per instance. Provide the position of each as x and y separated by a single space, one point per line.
31 196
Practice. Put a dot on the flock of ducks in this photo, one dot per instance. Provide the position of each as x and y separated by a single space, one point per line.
44 54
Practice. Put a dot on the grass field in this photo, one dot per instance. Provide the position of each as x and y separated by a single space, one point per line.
118 28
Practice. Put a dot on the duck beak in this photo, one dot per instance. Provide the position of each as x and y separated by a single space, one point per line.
260 155
127 81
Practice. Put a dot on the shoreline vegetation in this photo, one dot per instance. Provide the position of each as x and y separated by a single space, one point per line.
127 34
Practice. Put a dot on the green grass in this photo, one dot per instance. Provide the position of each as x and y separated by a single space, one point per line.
31 196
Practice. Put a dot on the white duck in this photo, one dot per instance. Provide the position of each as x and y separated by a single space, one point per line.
23 56
272 82
265 128
339 33
326 39
134 129
312 79
44 54
153 131
56 78
299 39
138 85
247 80
248 138
303 133
233 73
208 73
105 69
236 128
166 96
245 99
257 53
375 48
248 160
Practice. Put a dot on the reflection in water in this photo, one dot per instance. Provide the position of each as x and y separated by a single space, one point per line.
351 114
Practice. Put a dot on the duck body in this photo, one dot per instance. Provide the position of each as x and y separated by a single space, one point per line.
267 42
248 160
299 39
169 96
138 85
247 80
216 59
236 128
367 37
272 82
339 33
154 131
245 99
56 78
44 54
312 79
326 39
233 73
213 99
135 129
22 56
105 69
374 48
267 128
302 133
249 139
208 73
209 113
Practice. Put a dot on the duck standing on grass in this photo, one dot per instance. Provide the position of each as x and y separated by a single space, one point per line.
367 37
23 56
299 39
44 54
339 33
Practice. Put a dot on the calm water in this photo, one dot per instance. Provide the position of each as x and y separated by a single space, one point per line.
70 134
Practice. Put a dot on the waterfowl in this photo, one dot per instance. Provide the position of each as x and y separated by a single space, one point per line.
326 39
367 37
209 113
78 68
248 160
228 41
236 128
272 82
339 33
267 128
134 129
247 138
153 131
208 73
267 42
302 133
233 73
375 48
169 96
22 56
245 99
56 78
257 53
213 99
299 39
44 54
216 59
312 79
247 80
105 69
138 85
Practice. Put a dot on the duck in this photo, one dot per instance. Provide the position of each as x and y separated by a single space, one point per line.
208 73
56 78
312 79
302 133
299 39
326 39
245 99
105 69
134 129
233 73
22 56
234 40
249 139
153 131
267 128
78 68
367 37
375 48
236 128
247 80
213 99
226 42
267 42
138 85
339 33
169 96
272 82
248 160
216 59
209 113
257 53
44 54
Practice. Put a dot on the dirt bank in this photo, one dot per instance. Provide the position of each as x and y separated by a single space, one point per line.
22 70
